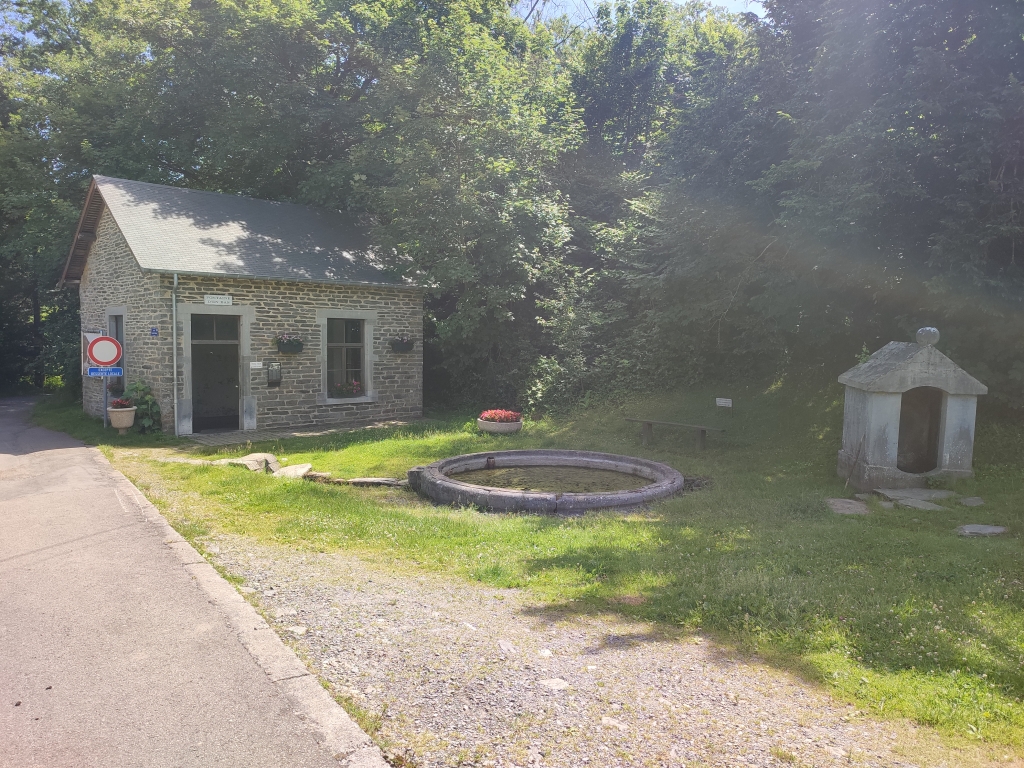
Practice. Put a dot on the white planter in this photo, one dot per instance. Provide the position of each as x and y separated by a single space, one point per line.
499 427
121 419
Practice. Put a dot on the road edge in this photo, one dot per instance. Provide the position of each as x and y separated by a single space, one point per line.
335 731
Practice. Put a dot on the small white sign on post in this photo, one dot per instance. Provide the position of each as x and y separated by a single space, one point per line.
723 402
217 300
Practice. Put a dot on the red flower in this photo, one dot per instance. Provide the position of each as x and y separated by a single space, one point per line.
503 417
121 402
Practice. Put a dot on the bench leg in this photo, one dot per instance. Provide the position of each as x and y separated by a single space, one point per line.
646 433
701 439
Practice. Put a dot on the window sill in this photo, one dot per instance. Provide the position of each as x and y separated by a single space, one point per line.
345 400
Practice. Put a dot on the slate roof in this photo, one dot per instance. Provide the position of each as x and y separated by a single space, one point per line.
899 366
171 229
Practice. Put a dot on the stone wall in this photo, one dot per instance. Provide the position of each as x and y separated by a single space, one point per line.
112 278
396 386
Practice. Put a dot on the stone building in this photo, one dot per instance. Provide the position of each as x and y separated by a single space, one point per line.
909 415
199 287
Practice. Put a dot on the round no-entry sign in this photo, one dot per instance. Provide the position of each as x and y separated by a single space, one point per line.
104 350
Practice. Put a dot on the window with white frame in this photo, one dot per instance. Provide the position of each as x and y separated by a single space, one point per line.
345 358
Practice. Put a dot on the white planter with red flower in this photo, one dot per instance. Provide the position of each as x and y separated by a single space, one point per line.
500 422
121 413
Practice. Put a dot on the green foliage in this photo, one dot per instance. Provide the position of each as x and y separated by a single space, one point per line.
454 173
666 193
147 415
622 76
834 174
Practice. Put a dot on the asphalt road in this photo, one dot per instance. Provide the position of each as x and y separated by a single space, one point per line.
111 654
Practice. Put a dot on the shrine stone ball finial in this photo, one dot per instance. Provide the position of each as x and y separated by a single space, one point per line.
928 336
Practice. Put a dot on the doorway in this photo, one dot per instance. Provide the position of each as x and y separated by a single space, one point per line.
215 373
920 417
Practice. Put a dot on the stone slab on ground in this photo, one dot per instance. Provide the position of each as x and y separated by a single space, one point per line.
324 477
295 472
257 462
917 494
924 506
392 482
972 501
847 506
980 530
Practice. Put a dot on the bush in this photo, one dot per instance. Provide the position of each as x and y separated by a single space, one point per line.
147 417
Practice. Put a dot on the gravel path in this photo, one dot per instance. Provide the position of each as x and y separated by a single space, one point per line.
475 676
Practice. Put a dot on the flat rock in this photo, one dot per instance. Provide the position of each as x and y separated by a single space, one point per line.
847 506
256 462
925 506
555 684
392 482
298 470
325 478
297 630
972 501
980 530
918 494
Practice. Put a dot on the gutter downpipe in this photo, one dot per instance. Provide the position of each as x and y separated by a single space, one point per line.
174 348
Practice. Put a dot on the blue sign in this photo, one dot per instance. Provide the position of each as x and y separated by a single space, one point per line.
106 371
154 332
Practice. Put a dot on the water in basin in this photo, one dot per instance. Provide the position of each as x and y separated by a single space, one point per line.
554 479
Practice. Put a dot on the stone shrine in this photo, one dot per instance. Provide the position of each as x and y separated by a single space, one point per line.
909 415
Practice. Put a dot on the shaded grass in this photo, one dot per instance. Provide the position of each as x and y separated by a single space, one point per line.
62 412
892 611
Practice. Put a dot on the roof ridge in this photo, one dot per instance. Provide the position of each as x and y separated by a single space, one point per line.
193 190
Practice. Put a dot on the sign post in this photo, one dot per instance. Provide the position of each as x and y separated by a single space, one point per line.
103 352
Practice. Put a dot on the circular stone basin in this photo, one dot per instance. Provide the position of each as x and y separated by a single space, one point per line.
642 481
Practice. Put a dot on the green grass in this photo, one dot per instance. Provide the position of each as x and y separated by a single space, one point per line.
892 611
62 412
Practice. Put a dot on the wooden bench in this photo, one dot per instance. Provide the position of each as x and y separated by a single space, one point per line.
647 430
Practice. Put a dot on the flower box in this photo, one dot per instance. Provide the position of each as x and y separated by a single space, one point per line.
341 391
402 345
289 347
500 422
499 427
122 419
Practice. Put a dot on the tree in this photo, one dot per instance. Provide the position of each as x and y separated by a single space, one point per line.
453 172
